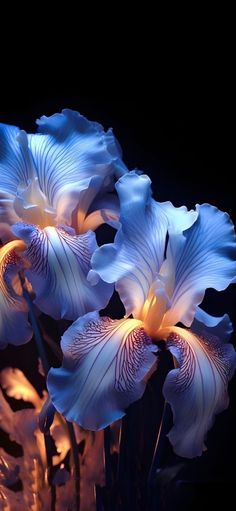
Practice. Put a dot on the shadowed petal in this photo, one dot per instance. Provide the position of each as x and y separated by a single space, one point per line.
71 149
197 388
105 209
134 259
6 233
205 324
14 327
104 367
203 257
82 194
60 261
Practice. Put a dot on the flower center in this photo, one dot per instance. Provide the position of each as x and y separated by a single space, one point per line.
154 308
31 205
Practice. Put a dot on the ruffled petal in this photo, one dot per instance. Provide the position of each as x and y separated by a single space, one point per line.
71 149
14 327
14 159
197 388
134 259
205 324
14 170
203 257
60 261
103 372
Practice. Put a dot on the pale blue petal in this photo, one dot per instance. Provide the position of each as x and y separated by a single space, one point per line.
203 257
211 325
8 217
60 261
79 195
197 388
14 326
105 209
70 149
14 158
134 259
14 169
104 369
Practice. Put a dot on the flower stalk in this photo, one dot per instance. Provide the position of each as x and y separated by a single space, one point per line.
71 433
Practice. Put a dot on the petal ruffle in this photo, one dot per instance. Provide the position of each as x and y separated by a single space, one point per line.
14 159
71 149
134 259
203 257
103 372
197 388
14 327
205 324
14 169
60 261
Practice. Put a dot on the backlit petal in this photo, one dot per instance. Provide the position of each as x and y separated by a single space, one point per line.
14 327
105 209
134 259
70 149
13 159
154 308
80 194
16 385
197 388
103 372
204 324
203 257
60 261
13 171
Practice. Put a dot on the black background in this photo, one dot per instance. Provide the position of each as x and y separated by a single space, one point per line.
186 150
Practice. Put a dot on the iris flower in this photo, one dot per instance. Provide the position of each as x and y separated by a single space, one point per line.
162 260
54 188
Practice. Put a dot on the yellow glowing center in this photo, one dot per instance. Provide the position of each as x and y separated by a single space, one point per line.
32 207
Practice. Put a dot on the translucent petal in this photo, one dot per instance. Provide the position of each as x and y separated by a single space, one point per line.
104 209
60 261
71 149
16 385
134 259
104 368
14 159
14 171
14 326
203 257
197 388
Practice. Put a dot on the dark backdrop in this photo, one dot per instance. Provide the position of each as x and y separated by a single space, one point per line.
186 152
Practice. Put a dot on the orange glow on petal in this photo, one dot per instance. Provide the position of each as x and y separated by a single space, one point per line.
154 308
16 385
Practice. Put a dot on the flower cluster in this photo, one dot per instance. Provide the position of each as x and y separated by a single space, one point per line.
56 188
